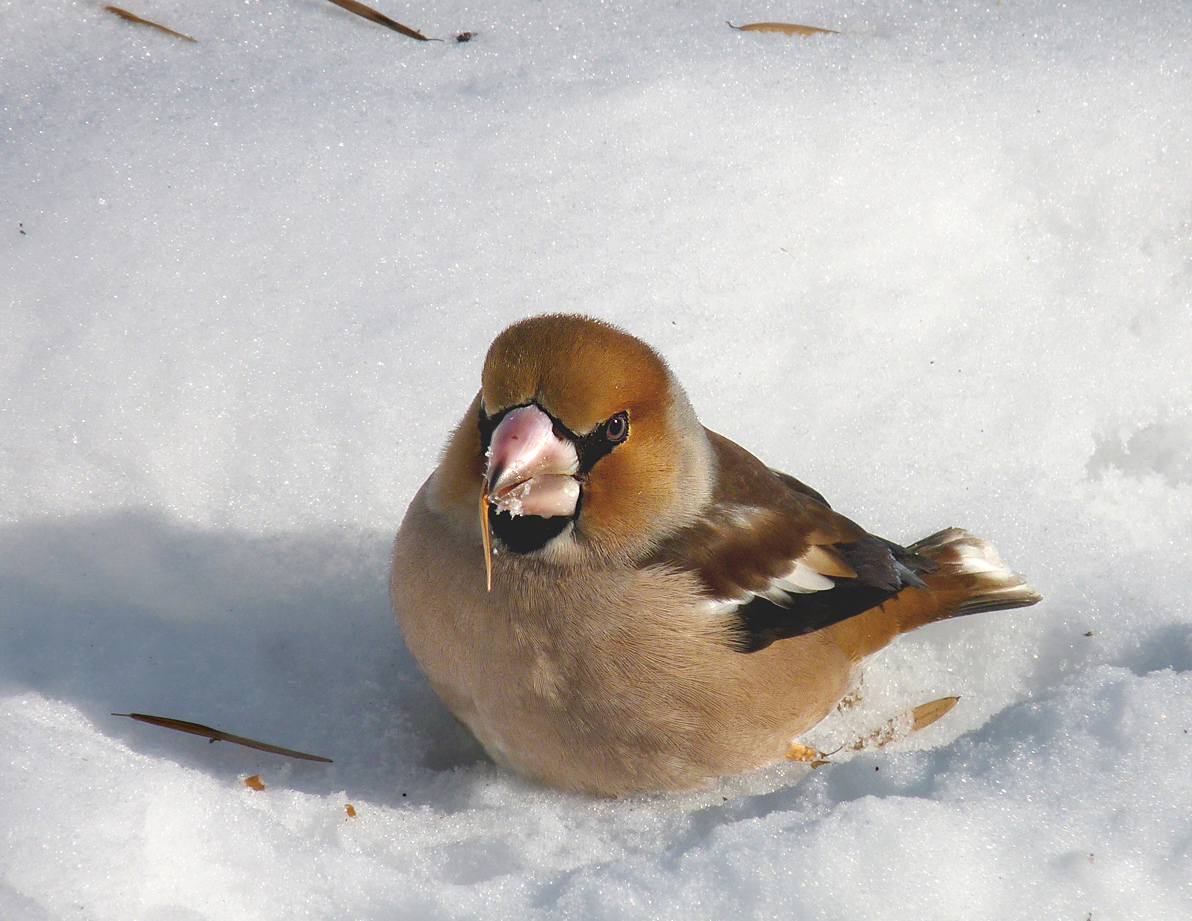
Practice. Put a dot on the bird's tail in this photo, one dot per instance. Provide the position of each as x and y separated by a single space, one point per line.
970 578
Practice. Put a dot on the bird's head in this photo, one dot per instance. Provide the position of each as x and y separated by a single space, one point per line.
587 442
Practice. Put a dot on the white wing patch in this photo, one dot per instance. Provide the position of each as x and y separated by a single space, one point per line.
804 578
801 580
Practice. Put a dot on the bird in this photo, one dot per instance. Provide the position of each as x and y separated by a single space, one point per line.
615 600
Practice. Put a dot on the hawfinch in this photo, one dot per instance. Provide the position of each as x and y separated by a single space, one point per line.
613 598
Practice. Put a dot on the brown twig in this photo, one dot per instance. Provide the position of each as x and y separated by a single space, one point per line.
218 735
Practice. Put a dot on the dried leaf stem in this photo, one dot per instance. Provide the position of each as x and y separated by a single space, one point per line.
218 735
367 12
133 17
786 28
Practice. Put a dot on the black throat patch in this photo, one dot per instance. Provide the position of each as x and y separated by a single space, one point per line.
525 533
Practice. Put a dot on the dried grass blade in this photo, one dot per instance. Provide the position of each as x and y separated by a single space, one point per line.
486 540
133 17
786 28
218 735
367 12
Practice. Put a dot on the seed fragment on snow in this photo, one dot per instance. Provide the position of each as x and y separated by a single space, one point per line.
254 783
928 713
786 28
904 724
800 752
893 730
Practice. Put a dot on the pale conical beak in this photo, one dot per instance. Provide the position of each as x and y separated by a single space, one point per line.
530 471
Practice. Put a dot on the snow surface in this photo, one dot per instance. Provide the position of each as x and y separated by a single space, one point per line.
938 266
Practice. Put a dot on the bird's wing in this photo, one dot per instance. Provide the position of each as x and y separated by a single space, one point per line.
772 555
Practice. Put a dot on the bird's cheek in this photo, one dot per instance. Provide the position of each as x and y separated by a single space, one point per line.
624 504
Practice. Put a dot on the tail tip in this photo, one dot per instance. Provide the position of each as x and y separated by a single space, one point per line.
995 586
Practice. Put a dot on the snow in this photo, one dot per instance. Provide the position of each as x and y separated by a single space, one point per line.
938 266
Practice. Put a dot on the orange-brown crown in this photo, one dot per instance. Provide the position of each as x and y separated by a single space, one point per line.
579 370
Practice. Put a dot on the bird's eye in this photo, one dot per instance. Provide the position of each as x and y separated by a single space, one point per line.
617 428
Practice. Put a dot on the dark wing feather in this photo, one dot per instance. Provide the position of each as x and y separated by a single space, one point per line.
883 570
770 551
763 621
